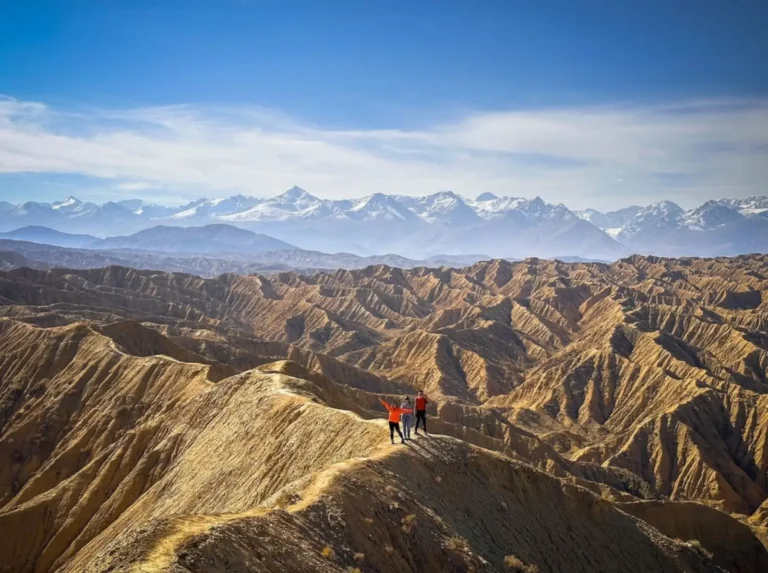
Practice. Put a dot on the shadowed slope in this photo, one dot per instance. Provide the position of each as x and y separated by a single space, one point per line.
190 472
640 380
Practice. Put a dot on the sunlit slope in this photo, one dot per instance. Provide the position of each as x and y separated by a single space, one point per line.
119 462
642 382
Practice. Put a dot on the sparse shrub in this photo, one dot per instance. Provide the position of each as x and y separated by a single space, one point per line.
696 545
328 553
359 557
388 548
408 522
353 570
286 499
516 565
457 544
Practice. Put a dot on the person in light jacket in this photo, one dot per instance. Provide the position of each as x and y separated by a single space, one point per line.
407 419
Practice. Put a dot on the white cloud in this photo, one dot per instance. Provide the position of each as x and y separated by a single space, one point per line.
135 186
685 151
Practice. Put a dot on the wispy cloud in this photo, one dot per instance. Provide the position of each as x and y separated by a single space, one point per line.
134 186
598 156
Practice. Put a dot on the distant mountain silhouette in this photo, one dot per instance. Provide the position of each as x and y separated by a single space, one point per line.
208 239
418 227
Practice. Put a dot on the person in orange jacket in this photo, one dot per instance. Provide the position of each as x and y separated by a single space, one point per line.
394 420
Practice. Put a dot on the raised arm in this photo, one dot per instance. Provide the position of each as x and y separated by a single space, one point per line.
386 405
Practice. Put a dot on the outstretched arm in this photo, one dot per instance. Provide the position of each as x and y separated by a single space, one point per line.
387 406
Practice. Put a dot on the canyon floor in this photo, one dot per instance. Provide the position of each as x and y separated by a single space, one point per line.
583 417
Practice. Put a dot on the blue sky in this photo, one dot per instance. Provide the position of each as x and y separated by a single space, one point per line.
348 97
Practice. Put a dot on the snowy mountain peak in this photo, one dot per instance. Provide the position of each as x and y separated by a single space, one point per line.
500 226
150 210
113 207
31 208
611 221
72 206
376 199
445 206
710 215
295 199
534 205
234 204
500 207
446 195
755 205
662 208
192 209
379 207
537 209
295 193
291 203
709 206
588 214
68 201
444 199
656 219
217 207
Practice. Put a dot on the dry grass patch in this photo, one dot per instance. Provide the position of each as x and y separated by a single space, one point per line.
458 544
359 557
516 565
328 553
696 545
408 522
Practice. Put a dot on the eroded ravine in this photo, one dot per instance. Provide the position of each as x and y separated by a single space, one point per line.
642 382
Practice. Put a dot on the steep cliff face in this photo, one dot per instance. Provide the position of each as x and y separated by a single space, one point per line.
151 421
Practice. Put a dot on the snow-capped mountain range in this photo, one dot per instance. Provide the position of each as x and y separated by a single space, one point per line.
441 222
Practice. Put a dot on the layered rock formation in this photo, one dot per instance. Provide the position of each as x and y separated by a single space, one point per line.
589 417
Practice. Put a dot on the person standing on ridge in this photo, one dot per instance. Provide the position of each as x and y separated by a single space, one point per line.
394 420
421 412
407 418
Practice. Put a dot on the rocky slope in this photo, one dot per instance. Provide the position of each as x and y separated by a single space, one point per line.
589 417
